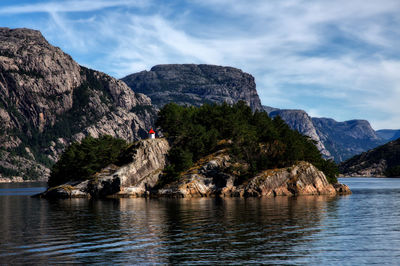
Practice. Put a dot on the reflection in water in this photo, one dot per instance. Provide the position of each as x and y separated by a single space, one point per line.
359 228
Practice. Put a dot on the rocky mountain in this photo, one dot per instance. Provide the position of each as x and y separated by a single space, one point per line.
348 138
337 140
299 120
388 134
47 100
381 161
189 84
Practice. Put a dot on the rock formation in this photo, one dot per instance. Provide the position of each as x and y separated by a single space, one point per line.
189 84
47 100
209 177
381 161
145 161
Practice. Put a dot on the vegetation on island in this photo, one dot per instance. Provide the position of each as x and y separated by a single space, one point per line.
252 139
81 160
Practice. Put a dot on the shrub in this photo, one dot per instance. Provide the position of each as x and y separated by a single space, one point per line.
81 160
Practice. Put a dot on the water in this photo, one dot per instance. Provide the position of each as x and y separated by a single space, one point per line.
357 229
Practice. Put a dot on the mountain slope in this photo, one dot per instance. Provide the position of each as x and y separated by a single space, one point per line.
388 134
337 140
381 161
299 120
48 100
189 84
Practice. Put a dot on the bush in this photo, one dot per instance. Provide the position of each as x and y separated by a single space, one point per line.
81 160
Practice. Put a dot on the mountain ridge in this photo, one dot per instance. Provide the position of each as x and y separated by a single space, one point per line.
48 100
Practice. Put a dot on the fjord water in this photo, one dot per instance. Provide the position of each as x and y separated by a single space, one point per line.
357 229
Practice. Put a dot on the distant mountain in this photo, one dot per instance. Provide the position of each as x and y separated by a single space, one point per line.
337 140
47 100
302 122
189 84
381 161
348 138
388 134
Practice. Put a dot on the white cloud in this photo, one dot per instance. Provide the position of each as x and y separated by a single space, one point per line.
68 6
313 55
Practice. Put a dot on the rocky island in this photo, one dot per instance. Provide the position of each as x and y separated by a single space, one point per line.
241 163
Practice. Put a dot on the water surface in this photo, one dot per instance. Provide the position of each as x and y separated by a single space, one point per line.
357 229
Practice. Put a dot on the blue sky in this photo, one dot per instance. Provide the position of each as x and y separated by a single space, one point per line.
338 59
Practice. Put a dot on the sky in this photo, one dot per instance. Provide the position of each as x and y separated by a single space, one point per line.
338 59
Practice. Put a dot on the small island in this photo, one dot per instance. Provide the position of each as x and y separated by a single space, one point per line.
207 151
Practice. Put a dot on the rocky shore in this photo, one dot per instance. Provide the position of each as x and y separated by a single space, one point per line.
208 178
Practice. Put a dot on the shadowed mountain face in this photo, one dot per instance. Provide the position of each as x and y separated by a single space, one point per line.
189 84
337 140
348 138
381 161
388 134
47 100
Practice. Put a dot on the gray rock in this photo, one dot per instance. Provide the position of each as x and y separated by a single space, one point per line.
190 84
145 161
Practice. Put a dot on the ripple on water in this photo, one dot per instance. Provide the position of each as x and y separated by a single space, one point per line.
357 229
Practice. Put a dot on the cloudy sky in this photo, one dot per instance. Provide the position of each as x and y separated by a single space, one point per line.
338 59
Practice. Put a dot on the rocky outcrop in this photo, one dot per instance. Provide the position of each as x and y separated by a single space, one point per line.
209 179
144 162
381 161
190 84
47 100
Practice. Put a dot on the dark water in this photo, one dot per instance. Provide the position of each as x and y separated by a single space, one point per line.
357 229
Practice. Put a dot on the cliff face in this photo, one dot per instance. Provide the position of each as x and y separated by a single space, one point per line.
381 161
145 161
189 84
48 100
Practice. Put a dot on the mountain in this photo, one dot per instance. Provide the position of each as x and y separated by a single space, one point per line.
388 134
337 140
47 100
381 161
189 84
299 120
348 138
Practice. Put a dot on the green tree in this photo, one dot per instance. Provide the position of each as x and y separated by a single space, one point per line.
81 160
